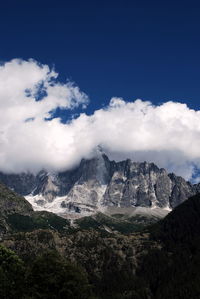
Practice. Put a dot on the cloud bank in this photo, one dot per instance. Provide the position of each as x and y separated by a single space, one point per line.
168 134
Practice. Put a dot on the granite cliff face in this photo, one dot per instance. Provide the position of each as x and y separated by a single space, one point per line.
99 183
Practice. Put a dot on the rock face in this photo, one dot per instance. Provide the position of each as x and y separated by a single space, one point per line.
99 183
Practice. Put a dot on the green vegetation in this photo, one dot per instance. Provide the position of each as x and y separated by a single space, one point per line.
174 271
120 258
48 277
12 272
170 270
38 220
112 223
51 277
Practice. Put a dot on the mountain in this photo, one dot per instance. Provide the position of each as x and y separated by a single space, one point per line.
102 185
172 270
181 226
120 259
17 214
161 261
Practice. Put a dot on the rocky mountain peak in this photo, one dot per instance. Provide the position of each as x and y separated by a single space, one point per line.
99 183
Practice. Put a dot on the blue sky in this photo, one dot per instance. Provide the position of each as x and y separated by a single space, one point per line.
130 49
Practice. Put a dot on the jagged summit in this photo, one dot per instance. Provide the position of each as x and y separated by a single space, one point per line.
99 183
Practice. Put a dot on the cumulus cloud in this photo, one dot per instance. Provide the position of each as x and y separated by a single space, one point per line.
168 134
29 92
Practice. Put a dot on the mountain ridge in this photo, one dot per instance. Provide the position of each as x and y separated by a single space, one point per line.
98 184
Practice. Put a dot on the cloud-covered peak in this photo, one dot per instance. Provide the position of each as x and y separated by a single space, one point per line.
167 134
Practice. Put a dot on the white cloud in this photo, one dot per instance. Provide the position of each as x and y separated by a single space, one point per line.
26 144
168 134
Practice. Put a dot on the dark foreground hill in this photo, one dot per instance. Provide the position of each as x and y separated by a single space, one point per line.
161 261
174 270
16 214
